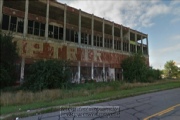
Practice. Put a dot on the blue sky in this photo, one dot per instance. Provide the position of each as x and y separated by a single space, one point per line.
160 19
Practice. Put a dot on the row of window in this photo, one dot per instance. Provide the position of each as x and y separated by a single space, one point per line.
16 24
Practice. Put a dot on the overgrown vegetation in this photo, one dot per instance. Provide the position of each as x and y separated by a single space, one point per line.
49 74
9 56
135 69
171 70
79 94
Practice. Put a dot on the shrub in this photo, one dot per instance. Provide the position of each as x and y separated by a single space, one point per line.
134 68
8 59
48 74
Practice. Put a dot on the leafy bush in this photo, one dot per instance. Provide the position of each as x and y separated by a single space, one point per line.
8 59
136 70
48 74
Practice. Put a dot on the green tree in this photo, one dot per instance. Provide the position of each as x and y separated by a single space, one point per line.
170 69
48 74
135 68
9 56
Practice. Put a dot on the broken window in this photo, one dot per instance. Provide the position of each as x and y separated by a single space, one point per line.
20 25
51 33
5 22
76 37
60 33
56 31
30 26
42 30
89 40
13 23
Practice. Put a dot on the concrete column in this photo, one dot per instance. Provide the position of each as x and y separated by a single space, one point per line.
121 36
47 20
104 72
24 36
147 45
92 70
1 15
26 18
129 40
103 32
64 29
79 36
136 42
22 70
79 71
92 30
113 36
142 45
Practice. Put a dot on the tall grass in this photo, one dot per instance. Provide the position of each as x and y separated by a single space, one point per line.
20 97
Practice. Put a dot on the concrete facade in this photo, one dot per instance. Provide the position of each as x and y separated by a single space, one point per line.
46 29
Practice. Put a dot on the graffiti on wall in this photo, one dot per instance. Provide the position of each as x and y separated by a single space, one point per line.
45 50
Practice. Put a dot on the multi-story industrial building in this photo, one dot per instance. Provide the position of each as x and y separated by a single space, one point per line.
46 29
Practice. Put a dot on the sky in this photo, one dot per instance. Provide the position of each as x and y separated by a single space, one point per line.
160 19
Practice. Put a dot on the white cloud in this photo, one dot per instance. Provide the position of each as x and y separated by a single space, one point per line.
129 13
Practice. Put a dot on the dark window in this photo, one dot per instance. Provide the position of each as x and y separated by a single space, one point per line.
56 32
76 37
13 23
36 28
85 39
20 25
67 34
42 30
72 35
94 40
98 41
51 33
5 22
82 38
60 33
89 40
30 27
101 42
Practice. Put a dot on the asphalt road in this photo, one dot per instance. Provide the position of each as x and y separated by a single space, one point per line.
164 105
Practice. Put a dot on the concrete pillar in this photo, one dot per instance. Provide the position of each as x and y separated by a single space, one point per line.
121 36
92 70
104 72
79 71
47 21
136 42
24 36
113 36
64 29
22 70
147 45
142 45
79 36
103 32
92 30
1 6
26 18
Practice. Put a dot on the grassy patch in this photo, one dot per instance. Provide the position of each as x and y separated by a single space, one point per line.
81 94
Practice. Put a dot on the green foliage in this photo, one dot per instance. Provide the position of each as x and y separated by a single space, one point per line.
171 70
8 59
48 74
136 70
153 74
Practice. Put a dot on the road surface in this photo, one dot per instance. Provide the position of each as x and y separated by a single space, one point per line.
163 105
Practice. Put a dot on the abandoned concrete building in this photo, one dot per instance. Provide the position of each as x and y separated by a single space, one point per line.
47 29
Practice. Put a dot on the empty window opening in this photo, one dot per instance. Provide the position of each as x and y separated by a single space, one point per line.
5 22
